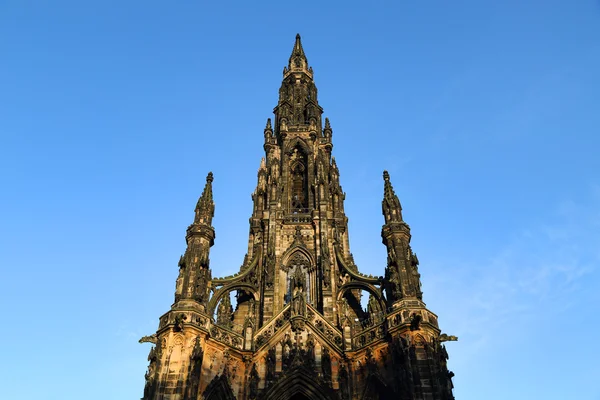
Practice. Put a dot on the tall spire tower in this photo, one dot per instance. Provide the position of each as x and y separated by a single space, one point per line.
299 320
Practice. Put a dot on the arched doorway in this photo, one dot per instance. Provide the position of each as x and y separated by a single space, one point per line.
300 384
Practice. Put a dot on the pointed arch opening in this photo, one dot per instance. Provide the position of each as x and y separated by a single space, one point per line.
298 181
300 384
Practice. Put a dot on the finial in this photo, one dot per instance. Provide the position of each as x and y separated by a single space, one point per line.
327 124
205 208
268 124
298 58
392 210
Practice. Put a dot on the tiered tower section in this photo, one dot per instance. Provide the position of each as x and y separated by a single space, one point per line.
306 323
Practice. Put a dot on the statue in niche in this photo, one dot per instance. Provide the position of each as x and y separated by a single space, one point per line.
395 281
224 312
372 308
270 360
415 322
326 365
298 296
345 307
275 169
310 351
254 380
250 315
286 349
179 283
269 265
195 369
343 380
326 272
178 326
298 301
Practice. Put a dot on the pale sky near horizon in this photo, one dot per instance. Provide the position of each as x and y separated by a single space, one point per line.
485 113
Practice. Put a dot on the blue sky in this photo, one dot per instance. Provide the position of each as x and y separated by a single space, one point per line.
485 113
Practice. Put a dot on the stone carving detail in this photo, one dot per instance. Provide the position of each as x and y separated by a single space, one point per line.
326 365
178 323
415 321
225 312
151 379
148 339
447 338
253 383
298 296
344 382
299 314
270 361
194 371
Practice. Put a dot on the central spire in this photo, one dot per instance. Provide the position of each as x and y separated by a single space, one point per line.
298 61
298 107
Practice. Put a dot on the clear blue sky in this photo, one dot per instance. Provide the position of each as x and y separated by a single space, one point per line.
485 113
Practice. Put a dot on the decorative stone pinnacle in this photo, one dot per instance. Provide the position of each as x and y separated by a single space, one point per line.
392 210
268 124
298 58
205 208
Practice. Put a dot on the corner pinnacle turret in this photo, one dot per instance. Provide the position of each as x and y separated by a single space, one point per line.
392 210
205 208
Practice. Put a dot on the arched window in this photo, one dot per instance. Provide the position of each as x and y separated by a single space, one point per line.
298 276
298 182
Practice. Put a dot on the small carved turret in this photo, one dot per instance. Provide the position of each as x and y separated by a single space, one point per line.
403 279
392 210
205 208
327 131
268 130
194 272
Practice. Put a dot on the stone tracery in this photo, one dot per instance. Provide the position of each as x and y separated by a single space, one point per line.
298 327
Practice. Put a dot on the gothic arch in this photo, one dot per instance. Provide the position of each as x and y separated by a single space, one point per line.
362 286
219 389
297 142
228 288
299 382
297 248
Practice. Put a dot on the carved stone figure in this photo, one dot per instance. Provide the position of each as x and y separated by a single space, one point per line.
253 383
291 330
178 323
326 364
224 312
270 364
298 301
415 322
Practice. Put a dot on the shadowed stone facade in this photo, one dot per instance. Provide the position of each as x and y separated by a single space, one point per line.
306 322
